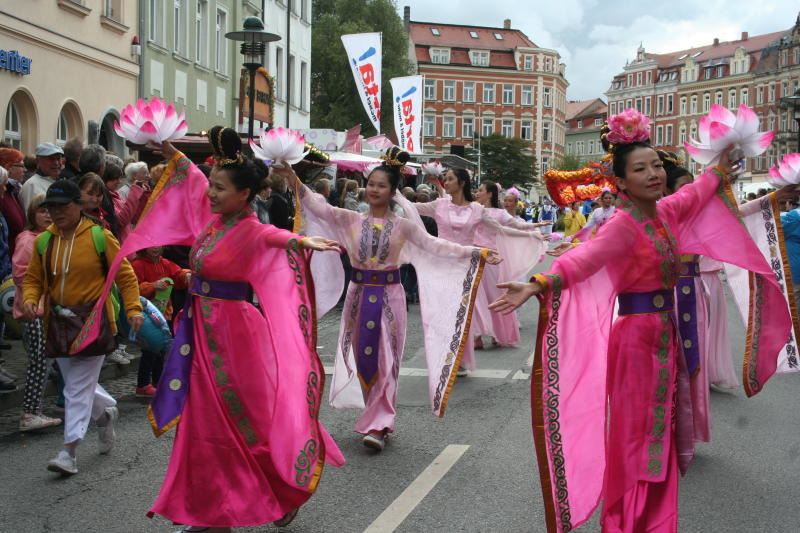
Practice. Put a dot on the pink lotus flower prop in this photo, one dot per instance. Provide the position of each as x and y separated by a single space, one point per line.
628 127
280 145
786 172
153 121
434 169
722 128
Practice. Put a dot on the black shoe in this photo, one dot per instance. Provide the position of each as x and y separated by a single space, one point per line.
5 373
6 384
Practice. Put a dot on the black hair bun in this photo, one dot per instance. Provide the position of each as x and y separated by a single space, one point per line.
225 142
397 157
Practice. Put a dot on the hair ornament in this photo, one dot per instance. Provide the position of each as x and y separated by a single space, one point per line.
628 127
395 157
219 155
513 191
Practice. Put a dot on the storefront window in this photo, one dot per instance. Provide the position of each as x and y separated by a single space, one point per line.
13 129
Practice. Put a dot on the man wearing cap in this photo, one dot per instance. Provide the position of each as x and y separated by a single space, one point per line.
69 273
49 163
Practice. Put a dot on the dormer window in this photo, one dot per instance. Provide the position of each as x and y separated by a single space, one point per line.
684 56
440 55
697 53
435 31
479 58
473 34
498 36
528 63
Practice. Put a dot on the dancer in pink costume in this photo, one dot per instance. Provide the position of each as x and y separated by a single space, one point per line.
613 423
373 328
463 221
719 358
243 385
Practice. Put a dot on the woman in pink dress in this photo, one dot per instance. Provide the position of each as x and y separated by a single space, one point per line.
373 327
462 220
612 423
243 385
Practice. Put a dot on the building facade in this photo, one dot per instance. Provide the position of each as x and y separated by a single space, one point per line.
584 120
187 59
484 80
678 88
67 68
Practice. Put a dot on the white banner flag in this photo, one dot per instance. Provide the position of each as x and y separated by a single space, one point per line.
364 55
407 109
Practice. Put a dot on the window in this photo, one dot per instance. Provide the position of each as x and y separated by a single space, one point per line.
201 32
613 108
598 122
569 148
771 93
638 78
744 97
508 94
468 128
112 9
579 148
630 80
639 105
155 24
590 149
720 71
693 105
548 64
682 135
508 128
279 73
706 102
13 127
546 132
440 55
527 95
303 84
449 90
545 164
449 126
498 36
429 125
488 93
221 43
62 130
683 105
649 78
668 135
670 108
429 89
179 27
473 34
628 103
527 63
579 124
303 9
760 95
479 58
469 91
526 130
718 98
547 97
487 127
648 106
660 105
435 31
732 99
291 96
659 135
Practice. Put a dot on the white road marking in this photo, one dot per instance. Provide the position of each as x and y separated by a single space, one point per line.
401 507
521 375
529 362
423 372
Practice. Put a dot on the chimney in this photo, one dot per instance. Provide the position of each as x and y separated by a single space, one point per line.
716 41
406 16
744 35
507 24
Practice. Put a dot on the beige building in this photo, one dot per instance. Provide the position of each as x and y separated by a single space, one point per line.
67 68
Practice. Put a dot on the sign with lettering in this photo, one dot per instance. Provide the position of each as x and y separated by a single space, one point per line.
407 108
11 60
364 55
264 96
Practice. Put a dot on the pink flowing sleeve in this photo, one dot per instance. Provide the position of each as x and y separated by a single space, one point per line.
428 209
692 198
511 222
520 250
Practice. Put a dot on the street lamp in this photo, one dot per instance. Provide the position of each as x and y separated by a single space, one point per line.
793 102
254 40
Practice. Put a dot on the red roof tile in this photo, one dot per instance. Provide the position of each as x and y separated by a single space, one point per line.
723 49
453 35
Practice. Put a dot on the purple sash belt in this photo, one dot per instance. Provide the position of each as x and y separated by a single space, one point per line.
687 315
370 314
642 303
173 386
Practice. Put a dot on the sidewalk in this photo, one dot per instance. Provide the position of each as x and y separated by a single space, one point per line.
16 361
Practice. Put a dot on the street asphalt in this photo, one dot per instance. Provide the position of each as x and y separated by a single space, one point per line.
746 480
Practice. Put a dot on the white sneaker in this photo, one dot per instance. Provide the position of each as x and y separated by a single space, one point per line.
462 372
117 357
32 422
106 431
376 443
63 463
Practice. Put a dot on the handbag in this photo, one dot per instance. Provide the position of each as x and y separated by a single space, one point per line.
64 323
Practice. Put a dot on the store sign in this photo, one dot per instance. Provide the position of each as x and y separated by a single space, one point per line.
11 60
264 96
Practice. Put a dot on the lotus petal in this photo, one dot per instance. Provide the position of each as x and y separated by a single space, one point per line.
703 130
722 136
746 121
435 168
718 113
703 154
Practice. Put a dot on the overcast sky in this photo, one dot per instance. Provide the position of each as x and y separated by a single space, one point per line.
596 38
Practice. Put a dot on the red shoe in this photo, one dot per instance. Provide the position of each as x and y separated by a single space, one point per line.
148 391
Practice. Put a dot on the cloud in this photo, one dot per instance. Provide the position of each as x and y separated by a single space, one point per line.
595 38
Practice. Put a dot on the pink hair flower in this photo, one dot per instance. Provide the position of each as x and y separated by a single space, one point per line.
722 128
513 191
280 145
628 127
152 121
786 172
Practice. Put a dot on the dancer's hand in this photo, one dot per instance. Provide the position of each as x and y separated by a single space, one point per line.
789 192
516 294
320 244
493 259
165 149
561 249
285 171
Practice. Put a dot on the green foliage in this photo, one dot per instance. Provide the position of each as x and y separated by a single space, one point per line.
570 162
335 102
504 160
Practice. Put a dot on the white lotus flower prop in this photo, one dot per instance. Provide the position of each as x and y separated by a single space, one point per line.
435 168
280 145
721 128
153 121
786 172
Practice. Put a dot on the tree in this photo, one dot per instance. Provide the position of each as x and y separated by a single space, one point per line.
335 102
504 160
570 162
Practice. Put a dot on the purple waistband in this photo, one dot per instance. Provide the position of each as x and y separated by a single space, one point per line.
690 269
376 277
640 303
221 290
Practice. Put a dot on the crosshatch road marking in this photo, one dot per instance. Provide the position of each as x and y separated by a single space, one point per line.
479 373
